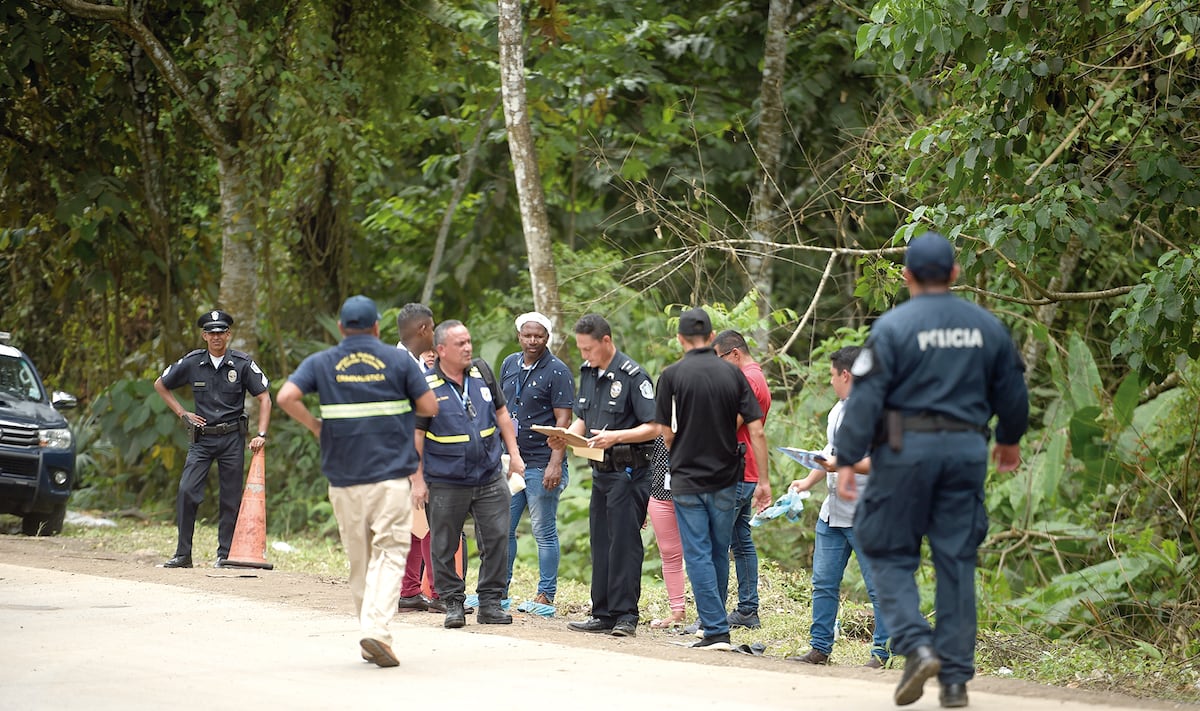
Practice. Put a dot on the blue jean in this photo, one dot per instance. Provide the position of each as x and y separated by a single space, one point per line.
543 518
706 530
745 557
933 489
830 556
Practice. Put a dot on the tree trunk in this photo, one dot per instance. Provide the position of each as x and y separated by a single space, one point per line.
764 209
531 196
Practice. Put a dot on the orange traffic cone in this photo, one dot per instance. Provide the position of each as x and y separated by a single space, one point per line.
249 546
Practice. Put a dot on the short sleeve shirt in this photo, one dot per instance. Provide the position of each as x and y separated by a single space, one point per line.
533 393
219 391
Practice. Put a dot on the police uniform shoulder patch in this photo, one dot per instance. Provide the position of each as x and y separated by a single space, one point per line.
433 380
646 389
168 369
864 364
474 372
254 367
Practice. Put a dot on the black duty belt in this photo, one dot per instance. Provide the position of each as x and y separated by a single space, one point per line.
621 456
223 428
930 422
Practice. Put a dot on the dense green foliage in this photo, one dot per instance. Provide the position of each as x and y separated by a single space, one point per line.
1055 142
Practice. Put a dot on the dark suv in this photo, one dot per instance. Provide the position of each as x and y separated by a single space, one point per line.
37 451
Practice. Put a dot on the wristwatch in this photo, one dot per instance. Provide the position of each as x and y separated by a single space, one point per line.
262 434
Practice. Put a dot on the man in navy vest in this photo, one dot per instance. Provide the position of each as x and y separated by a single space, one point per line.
460 451
369 391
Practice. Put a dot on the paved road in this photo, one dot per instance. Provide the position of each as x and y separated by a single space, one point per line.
78 641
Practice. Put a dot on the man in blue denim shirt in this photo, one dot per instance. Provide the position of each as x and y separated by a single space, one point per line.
540 391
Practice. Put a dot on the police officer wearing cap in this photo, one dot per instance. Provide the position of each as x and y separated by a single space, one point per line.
932 374
614 407
219 377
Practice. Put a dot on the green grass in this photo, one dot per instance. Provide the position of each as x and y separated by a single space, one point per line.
785 611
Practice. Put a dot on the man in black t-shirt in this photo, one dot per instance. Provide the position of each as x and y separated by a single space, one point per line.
699 402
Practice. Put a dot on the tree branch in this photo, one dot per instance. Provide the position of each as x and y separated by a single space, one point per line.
120 18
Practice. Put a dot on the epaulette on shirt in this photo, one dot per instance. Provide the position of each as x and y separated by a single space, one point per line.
196 352
433 380
474 373
239 354
630 367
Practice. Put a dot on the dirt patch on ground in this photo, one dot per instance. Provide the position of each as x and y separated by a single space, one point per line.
332 594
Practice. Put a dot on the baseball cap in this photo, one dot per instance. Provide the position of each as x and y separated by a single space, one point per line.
215 321
930 257
694 322
359 312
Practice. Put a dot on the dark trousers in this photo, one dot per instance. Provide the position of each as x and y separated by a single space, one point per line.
932 489
447 511
618 510
229 452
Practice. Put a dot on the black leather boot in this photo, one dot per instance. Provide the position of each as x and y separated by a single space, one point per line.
455 617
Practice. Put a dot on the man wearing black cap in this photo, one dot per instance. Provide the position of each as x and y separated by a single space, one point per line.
369 393
933 372
220 379
699 403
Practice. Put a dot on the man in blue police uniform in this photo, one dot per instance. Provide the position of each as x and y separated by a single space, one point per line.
460 459
368 393
615 411
220 378
701 402
539 390
933 372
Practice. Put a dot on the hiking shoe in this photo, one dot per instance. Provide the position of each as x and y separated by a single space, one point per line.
716 642
749 620
378 652
455 616
813 657
919 666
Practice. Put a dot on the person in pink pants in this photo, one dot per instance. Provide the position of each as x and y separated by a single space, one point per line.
666 534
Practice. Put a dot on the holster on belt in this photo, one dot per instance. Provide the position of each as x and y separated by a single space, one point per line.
890 430
244 424
193 433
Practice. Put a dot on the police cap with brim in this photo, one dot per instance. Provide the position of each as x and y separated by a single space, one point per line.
216 321
930 257
359 313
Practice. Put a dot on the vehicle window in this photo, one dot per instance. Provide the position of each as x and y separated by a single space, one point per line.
17 380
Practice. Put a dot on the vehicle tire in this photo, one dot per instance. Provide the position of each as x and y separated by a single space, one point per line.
50 524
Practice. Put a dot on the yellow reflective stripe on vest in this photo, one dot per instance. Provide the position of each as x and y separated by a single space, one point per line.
456 439
352 410
448 439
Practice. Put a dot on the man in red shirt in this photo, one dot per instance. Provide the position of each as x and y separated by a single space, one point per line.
754 491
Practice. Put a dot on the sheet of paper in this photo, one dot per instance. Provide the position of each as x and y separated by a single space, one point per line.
589 453
420 527
809 460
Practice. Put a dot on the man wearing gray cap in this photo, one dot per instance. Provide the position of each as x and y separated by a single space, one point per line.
933 372
698 404
369 394
219 377
540 391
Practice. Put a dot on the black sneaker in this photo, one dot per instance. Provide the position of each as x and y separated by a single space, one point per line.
749 620
716 642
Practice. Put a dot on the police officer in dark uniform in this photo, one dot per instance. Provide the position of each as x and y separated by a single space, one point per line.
934 371
219 378
615 407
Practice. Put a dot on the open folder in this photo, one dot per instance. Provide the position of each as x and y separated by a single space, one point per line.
578 443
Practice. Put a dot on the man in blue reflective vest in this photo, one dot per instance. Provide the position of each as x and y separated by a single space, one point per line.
368 392
933 372
460 451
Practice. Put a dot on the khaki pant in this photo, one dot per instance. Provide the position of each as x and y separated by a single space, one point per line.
375 524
